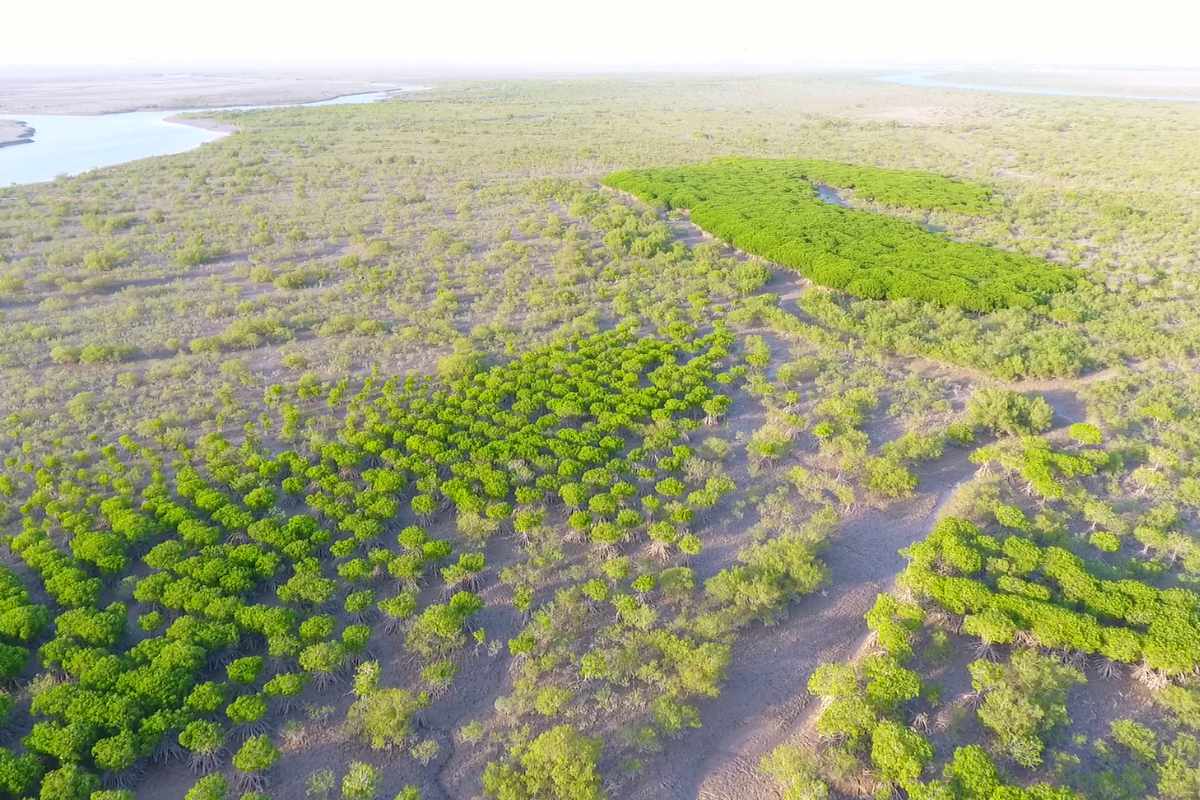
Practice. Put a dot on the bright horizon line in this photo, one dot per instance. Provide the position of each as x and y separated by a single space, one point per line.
549 35
315 68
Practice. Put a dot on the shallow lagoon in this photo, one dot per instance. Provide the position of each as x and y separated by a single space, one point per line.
68 144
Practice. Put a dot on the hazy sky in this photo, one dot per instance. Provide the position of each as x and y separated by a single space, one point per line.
566 34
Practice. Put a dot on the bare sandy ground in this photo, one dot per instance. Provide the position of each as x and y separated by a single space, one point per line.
765 701
40 93
14 132
202 122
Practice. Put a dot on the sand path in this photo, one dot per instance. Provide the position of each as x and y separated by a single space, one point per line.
764 701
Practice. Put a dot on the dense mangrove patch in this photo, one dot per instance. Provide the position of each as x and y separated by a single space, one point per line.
771 208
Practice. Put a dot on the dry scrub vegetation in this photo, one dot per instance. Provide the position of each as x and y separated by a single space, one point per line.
382 452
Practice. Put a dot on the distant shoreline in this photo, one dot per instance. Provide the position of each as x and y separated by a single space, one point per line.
94 96
69 141
13 131
212 104
210 124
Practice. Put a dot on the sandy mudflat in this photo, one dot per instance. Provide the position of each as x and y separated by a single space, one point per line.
202 122
38 93
14 132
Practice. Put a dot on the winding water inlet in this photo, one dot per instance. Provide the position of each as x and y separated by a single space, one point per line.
68 144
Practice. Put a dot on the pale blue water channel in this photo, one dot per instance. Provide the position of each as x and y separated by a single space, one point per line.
68 144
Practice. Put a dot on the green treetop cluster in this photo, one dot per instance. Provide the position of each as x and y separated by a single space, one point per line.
1008 585
771 208
237 559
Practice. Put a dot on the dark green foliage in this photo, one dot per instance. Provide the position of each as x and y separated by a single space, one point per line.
257 755
894 624
69 782
771 575
1055 598
227 571
12 660
972 774
1023 701
560 764
246 709
1003 411
889 479
771 209
210 787
202 736
899 753
20 620
382 717
902 188
889 685
795 771
112 794
1179 776
116 753
440 627
1183 702
245 670
19 774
